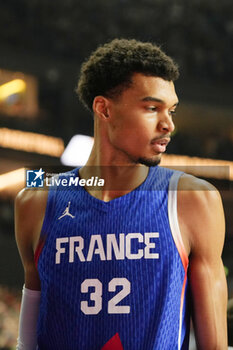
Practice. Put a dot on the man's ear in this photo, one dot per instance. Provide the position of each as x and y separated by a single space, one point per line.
100 107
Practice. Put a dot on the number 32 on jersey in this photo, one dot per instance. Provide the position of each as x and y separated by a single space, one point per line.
96 296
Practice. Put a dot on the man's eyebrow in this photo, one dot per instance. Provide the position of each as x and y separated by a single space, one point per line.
155 99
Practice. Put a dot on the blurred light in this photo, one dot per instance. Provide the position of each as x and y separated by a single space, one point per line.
77 150
18 94
203 167
31 142
15 86
12 181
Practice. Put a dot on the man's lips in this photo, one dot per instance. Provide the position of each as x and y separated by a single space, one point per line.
160 144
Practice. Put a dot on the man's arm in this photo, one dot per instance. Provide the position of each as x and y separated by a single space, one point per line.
29 214
202 224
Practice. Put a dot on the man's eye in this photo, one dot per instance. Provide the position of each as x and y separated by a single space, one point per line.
152 108
172 113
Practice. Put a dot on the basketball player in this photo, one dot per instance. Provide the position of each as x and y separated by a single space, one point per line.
125 265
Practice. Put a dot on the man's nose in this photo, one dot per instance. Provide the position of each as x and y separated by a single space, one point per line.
166 123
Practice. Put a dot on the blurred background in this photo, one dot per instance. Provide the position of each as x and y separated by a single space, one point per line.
43 43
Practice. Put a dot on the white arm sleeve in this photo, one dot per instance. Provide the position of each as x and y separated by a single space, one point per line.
29 311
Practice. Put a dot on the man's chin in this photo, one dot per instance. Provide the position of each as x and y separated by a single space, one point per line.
149 161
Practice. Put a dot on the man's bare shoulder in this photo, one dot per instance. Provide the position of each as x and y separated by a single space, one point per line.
31 199
197 192
200 212
30 205
192 183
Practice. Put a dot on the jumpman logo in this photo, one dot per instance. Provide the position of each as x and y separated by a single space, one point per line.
66 212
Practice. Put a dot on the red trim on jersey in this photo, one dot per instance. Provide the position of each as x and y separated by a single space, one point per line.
181 308
113 344
39 249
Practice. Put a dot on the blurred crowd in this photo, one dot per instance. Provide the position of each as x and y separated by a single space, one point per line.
9 315
211 146
197 33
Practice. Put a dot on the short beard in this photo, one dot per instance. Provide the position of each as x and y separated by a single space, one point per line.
148 161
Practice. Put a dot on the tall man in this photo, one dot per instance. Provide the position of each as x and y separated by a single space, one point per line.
123 266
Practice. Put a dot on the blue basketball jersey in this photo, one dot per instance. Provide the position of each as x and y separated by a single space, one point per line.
114 270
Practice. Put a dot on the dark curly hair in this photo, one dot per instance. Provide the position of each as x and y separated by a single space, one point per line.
109 69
